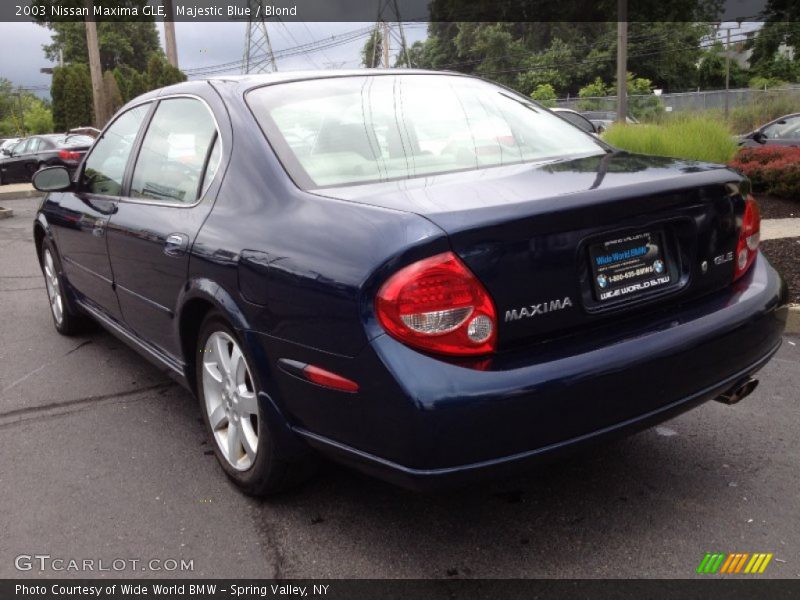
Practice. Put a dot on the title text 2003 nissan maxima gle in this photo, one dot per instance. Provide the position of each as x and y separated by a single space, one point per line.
423 275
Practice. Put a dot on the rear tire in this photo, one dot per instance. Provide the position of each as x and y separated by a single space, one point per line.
65 320
227 389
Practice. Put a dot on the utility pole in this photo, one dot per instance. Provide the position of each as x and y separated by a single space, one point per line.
403 43
95 68
21 126
385 45
727 68
169 34
622 61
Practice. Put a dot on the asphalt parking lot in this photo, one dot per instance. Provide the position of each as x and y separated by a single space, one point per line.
102 457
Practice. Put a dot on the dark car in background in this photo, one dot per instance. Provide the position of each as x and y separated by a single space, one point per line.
784 131
423 275
19 163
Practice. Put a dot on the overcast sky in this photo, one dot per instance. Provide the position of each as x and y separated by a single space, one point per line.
199 45
203 44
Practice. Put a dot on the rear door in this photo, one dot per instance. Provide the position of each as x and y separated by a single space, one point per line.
169 194
29 163
79 218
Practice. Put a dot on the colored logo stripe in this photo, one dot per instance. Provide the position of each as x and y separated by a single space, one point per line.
710 563
734 563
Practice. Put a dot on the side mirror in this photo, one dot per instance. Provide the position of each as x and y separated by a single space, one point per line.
52 179
759 137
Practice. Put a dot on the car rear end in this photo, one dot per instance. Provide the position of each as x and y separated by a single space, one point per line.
70 150
567 299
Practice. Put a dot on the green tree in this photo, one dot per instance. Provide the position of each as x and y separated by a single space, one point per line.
642 102
160 73
372 52
122 41
8 104
130 82
565 54
545 95
113 96
38 118
774 43
543 69
711 70
592 95
78 110
57 97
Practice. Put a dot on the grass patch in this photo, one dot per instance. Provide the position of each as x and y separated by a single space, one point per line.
687 137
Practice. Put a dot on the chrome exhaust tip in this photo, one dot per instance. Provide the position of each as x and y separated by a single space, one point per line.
738 392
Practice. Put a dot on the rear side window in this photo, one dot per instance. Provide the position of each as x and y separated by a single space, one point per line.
105 166
175 152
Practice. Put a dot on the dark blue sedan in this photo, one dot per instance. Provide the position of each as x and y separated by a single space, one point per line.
425 276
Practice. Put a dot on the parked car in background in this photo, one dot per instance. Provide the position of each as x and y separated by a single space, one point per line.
603 119
447 282
20 163
784 131
576 119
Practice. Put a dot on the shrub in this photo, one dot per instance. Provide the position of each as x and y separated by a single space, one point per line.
771 169
545 95
688 138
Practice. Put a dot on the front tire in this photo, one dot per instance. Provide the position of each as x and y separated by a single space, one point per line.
66 322
245 447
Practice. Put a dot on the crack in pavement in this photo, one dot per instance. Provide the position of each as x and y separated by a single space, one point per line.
14 384
19 415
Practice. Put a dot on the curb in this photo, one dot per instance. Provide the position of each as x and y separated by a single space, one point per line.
20 195
793 322
6 213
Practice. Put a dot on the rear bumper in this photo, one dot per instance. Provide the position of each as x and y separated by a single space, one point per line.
421 422
438 478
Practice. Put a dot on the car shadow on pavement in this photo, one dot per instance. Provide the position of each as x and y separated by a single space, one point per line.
614 500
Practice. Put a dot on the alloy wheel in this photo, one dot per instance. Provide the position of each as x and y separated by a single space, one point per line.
230 400
53 287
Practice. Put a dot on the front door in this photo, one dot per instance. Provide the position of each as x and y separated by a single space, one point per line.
151 232
13 167
79 219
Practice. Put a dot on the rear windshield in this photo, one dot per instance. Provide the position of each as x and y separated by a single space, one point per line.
351 130
74 140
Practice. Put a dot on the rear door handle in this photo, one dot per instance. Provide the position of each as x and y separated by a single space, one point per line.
176 244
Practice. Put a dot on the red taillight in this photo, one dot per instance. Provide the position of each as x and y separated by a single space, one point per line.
437 304
69 155
749 238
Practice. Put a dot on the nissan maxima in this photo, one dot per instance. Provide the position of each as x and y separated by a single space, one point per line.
423 275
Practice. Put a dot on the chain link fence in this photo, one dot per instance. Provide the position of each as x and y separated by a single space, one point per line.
691 101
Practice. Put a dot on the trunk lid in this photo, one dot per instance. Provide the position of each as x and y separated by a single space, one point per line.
537 235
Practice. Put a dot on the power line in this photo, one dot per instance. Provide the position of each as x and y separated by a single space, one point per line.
286 53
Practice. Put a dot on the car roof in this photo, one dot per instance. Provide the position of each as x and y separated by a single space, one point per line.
255 80
250 81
